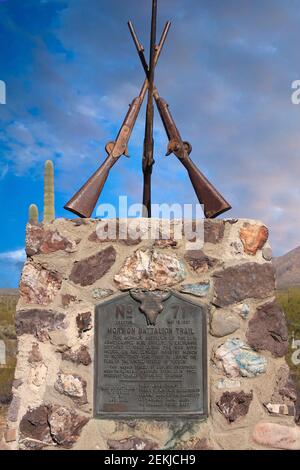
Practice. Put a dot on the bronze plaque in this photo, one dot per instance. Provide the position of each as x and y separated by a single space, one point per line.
150 357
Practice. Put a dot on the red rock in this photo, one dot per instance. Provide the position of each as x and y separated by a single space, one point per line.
65 425
35 428
38 285
234 405
254 237
267 330
50 425
80 356
89 270
42 241
35 321
67 299
277 436
248 280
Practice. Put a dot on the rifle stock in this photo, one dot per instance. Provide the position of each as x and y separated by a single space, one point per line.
85 200
213 202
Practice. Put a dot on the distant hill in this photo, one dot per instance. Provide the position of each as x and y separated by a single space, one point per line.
9 292
288 269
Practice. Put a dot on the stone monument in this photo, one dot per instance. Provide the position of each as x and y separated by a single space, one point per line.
146 343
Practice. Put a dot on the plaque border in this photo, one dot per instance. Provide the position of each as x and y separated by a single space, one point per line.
148 415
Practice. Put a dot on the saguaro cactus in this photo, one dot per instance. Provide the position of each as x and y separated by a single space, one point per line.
49 210
33 214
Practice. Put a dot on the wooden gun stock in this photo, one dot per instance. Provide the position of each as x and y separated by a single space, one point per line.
85 200
213 202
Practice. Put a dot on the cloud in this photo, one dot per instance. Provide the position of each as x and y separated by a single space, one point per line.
226 71
11 264
14 257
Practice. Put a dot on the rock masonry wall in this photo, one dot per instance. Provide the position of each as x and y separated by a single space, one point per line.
69 270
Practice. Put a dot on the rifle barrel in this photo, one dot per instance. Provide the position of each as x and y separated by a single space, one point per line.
148 159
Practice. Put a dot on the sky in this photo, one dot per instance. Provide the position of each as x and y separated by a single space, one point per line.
71 69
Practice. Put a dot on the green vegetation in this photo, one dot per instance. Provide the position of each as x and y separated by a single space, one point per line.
290 302
49 211
6 380
7 333
33 214
49 208
7 309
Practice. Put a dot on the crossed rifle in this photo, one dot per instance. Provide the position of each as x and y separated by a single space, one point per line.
85 200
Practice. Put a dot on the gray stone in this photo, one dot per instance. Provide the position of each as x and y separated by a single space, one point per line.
236 359
249 280
267 254
89 270
99 293
223 323
267 330
38 285
199 289
244 311
34 428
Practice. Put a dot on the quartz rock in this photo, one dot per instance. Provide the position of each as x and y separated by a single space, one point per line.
99 293
254 237
236 359
73 386
38 285
150 269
